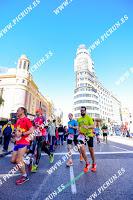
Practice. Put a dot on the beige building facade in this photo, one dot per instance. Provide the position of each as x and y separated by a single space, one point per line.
17 88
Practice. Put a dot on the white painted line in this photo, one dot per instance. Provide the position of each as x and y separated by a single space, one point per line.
119 148
116 147
108 152
1 175
97 153
114 152
8 156
73 185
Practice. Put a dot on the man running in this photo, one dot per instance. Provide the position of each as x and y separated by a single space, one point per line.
105 132
72 128
40 140
23 129
86 126
97 132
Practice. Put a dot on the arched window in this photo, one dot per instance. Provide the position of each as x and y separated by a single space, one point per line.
28 66
24 64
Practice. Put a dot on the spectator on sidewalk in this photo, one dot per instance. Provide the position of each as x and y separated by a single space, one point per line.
61 134
65 133
131 129
57 137
51 133
7 131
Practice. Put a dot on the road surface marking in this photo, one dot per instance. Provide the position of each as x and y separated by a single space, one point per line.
10 175
73 185
75 179
119 148
108 152
97 153
116 147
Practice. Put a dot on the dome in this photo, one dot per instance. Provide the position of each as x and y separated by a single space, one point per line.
23 57
82 50
82 46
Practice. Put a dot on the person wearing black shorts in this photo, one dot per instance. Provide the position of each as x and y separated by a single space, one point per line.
105 132
88 140
86 129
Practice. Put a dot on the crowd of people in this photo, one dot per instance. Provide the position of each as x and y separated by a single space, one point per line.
43 135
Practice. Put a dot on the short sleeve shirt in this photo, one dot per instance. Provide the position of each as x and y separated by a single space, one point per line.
23 124
39 122
88 121
72 123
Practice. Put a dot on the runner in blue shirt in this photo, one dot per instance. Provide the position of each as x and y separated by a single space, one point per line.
72 136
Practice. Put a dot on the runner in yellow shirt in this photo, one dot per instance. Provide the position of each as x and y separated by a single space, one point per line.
86 126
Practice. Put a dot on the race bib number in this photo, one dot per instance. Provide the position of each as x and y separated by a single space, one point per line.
105 131
70 137
81 137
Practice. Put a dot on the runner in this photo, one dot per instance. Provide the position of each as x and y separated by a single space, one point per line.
23 129
40 140
86 126
72 127
105 132
97 132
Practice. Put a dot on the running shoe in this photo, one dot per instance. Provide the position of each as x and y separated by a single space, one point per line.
94 168
34 168
22 180
51 158
81 158
69 163
86 169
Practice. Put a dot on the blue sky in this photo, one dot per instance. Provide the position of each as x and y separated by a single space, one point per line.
81 22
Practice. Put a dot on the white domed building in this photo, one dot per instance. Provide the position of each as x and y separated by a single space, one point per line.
85 93
89 91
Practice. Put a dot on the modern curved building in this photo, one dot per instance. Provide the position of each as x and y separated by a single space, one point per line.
89 91
85 93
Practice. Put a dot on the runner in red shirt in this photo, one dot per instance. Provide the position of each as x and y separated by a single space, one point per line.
40 140
23 129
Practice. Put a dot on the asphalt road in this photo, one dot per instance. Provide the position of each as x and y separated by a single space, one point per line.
112 181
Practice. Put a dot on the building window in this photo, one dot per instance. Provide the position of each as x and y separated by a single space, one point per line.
24 64
28 65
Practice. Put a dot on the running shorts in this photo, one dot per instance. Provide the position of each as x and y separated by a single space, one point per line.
72 138
20 146
88 140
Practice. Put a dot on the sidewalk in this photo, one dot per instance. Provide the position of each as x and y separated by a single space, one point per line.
2 154
121 140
